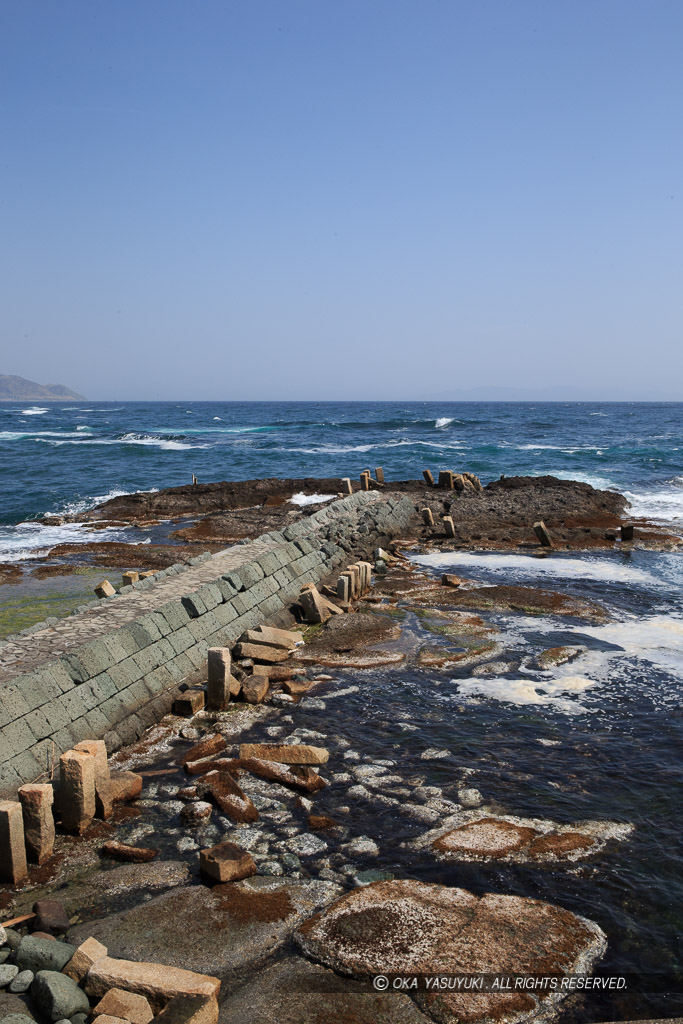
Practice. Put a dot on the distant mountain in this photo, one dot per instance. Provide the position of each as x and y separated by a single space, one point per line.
18 389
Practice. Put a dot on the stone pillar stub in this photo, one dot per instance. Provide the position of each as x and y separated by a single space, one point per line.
77 790
12 850
103 797
39 823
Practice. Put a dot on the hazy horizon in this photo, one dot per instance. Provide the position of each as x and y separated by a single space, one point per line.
343 202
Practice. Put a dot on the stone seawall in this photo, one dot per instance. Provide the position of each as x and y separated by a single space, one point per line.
113 670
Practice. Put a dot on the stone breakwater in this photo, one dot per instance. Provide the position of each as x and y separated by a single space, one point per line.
115 668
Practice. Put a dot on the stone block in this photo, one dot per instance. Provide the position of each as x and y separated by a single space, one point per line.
221 684
129 578
12 850
542 534
346 485
103 798
128 1005
39 823
255 689
285 753
626 531
313 607
222 789
88 953
427 516
446 479
226 862
105 589
429 479
156 982
77 790
449 526
189 703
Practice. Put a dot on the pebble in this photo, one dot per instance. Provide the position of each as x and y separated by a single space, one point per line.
314 702
307 845
368 771
425 815
362 846
21 982
470 797
341 777
351 755
7 974
432 754
186 844
271 867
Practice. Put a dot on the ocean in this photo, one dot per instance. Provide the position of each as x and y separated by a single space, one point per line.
66 457
598 739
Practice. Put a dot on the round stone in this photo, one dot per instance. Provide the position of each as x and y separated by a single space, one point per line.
7 973
21 982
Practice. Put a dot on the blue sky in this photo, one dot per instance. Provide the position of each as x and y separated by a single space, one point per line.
313 199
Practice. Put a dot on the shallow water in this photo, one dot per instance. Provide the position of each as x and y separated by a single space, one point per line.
597 739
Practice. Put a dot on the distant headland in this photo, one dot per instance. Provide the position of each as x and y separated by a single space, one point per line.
18 389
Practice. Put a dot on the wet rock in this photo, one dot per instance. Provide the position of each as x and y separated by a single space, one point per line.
260 652
495 668
43 955
131 880
433 754
214 930
58 996
520 840
189 703
320 822
16 1018
306 845
470 797
531 600
347 639
362 846
299 777
555 656
294 991
195 812
272 637
411 927
134 854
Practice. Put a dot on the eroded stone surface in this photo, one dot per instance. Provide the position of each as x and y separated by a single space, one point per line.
412 927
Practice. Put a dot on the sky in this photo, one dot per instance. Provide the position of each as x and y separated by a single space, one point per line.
358 199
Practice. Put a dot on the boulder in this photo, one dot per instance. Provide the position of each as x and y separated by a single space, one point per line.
37 955
8 973
21 982
255 689
51 917
409 927
57 996
313 606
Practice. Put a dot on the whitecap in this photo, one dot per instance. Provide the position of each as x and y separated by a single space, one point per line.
34 411
608 569
32 540
310 499
443 421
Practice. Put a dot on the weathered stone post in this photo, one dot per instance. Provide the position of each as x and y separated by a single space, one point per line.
103 797
129 578
221 683
379 475
105 589
344 589
12 850
346 485
427 517
446 479
39 823
542 534
365 481
77 790
626 532
427 474
449 526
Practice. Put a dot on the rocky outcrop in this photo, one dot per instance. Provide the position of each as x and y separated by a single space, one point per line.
408 927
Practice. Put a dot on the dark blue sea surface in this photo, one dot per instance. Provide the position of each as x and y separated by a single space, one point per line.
65 457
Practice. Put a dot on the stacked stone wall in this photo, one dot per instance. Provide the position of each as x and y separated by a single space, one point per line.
118 684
